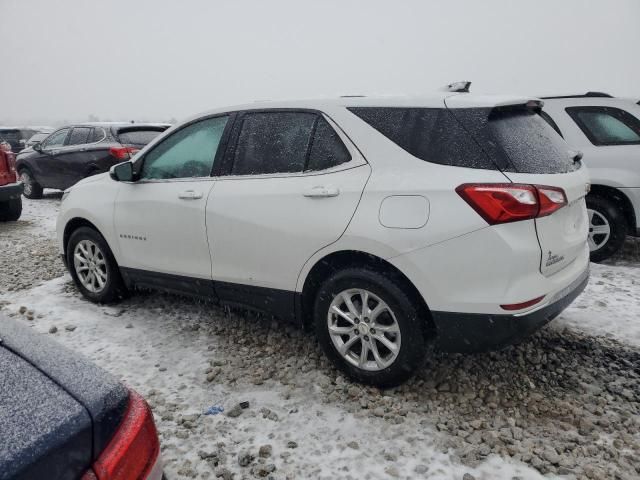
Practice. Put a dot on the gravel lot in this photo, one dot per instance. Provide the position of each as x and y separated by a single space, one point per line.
566 403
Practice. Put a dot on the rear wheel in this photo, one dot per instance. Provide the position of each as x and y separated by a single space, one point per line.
607 228
369 327
93 267
11 210
32 189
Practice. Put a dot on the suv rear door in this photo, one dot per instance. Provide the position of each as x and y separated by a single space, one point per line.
290 185
529 151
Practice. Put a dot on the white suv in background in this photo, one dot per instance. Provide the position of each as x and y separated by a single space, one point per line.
382 223
607 131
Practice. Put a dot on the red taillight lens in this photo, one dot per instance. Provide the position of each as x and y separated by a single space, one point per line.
551 199
510 202
501 202
123 153
520 306
134 448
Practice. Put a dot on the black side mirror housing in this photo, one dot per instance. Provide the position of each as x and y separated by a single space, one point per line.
122 172
37 147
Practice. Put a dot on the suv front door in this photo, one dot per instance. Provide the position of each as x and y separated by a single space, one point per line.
160 218
47 169
290 186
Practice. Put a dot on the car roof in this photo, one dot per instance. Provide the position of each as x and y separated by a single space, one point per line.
434 100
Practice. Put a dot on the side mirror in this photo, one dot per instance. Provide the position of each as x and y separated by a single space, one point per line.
122 172
37 147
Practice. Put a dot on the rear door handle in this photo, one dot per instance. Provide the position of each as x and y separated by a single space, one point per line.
190 195
322 192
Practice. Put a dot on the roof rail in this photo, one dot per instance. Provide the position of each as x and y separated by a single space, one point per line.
584 95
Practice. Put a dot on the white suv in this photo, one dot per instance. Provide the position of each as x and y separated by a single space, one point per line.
383 223
607 131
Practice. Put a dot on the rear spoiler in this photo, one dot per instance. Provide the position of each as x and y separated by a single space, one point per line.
157 127
492 101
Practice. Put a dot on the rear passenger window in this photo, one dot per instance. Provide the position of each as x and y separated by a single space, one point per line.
97 135
607 125
327 150
79 136
273 142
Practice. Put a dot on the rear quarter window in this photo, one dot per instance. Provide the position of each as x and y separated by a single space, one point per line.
430 134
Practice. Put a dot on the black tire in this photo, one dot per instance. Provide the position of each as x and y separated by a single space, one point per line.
408 314
617 224
32 189
114 288
10 210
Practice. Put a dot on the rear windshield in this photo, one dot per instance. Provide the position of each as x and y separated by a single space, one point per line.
512 139
138 137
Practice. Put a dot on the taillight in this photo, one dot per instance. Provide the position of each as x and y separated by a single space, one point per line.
511 202
133 450
551 199
123 153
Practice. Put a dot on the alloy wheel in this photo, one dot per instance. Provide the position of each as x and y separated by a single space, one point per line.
90 266
364 329
27 182
599 230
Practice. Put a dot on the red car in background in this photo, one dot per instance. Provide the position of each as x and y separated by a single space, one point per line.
10 188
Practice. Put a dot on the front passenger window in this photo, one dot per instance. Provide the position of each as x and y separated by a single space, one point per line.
188 153
55 139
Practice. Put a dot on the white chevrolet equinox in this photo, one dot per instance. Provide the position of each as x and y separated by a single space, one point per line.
383 223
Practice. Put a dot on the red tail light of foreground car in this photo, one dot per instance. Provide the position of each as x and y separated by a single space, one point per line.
134 451
510 202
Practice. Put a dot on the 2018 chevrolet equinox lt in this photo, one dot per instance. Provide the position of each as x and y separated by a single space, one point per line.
383 223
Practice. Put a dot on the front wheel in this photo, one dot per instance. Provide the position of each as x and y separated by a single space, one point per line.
607 228
369 327
32 189
11 210
93 267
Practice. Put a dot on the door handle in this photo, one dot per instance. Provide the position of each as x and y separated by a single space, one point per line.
322 192
190 195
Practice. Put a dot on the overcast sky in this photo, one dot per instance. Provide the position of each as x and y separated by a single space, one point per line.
157 59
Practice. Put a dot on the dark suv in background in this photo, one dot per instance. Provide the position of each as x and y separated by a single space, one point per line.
74 152
17 137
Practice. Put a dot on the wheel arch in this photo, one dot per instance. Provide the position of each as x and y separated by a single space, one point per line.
338 260
72 225
620 199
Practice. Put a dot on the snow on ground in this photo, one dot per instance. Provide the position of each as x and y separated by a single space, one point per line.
610 305
158 353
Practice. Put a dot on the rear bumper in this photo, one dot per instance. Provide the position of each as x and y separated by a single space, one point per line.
477 332
11 191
